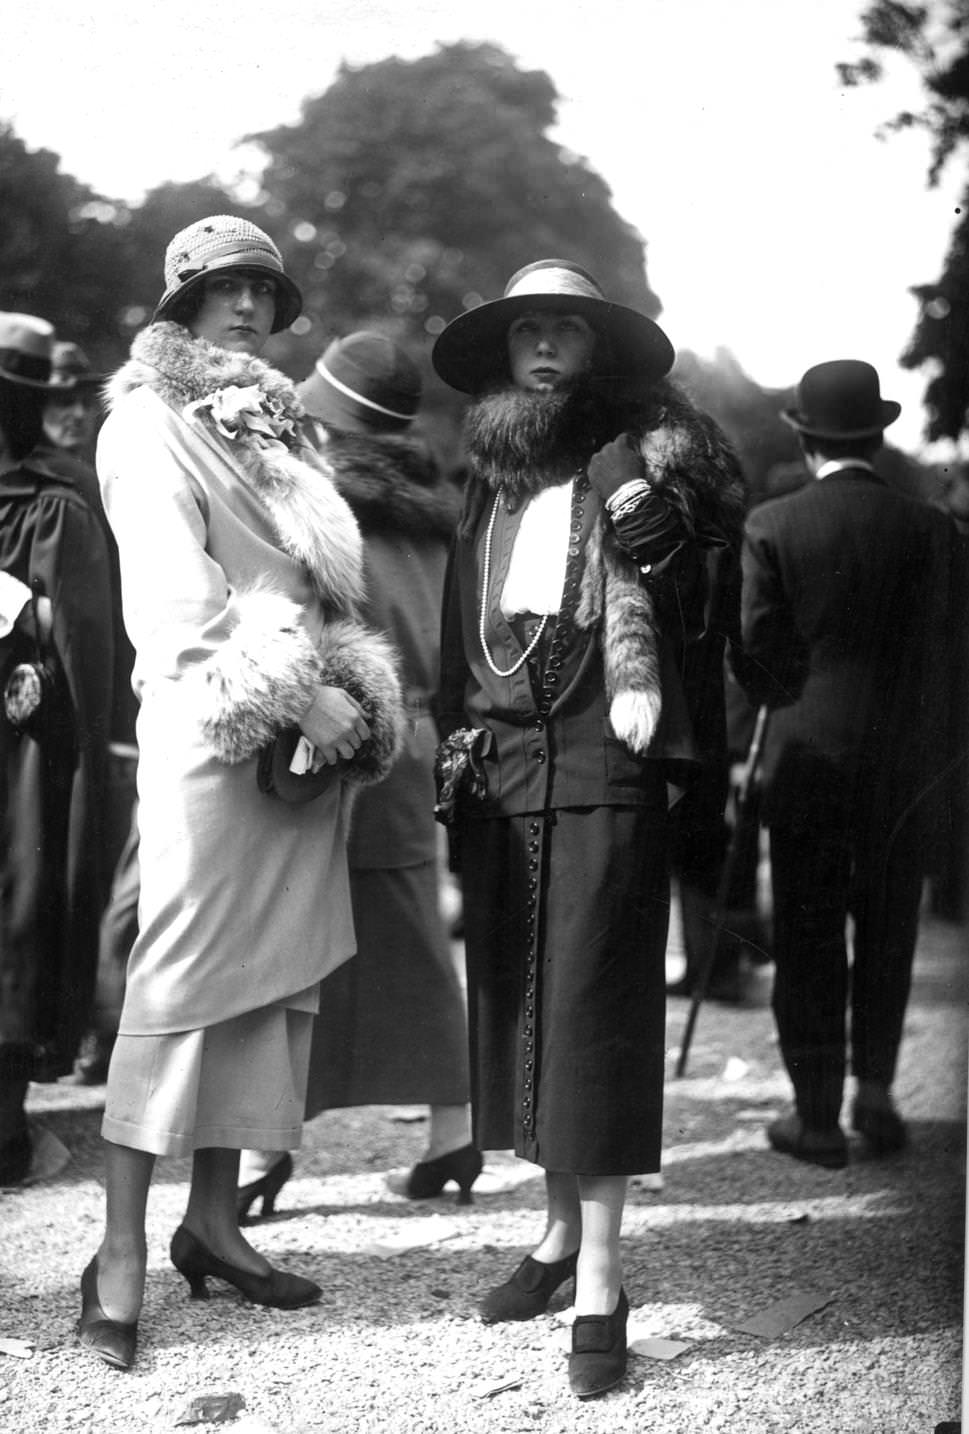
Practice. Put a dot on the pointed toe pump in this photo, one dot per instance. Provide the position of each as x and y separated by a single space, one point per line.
276 1289
429 1177
266 1188
109 1339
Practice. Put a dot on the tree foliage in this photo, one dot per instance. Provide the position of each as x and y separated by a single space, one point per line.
935 38
410 190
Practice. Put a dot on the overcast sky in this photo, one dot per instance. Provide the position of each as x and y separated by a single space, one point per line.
778 225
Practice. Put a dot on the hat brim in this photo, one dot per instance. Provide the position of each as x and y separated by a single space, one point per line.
289 303
338 410
890 410
39 385
472 351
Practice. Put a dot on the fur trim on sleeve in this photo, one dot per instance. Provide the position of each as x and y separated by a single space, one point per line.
260 679
362 662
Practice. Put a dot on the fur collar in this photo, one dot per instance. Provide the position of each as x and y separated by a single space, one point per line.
313 523
686 455
392 483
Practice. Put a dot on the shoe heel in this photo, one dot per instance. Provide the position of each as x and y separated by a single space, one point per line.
197 1288
265 1189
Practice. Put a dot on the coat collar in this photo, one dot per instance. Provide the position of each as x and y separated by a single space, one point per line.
313 523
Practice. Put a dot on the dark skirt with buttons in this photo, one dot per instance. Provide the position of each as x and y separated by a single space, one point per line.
566 918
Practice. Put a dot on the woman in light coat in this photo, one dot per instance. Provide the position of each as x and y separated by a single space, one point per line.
241 575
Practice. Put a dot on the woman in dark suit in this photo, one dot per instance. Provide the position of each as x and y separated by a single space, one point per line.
577 592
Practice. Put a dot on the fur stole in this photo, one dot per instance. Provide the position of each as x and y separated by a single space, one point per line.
689 460
310 519
392 484
264 676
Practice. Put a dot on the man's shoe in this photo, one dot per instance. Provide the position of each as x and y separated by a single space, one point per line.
882 1127
827 1148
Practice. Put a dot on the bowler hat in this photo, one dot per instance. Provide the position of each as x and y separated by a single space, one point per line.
471 352
841 399
26 344
224 242
71 368
362 383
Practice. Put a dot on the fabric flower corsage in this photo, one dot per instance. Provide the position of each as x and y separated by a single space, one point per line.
247 412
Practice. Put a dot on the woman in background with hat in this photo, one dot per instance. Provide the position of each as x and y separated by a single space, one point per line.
576 596
241 575
391 1029
55 675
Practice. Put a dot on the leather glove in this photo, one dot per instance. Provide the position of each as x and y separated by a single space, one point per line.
616 463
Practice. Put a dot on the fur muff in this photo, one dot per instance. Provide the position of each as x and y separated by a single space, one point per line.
363 664
263 677
686 457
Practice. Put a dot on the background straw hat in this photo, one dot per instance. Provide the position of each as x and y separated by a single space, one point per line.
26 346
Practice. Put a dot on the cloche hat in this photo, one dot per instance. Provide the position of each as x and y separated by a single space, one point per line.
224 242
471 351
363 382
841 399
26 343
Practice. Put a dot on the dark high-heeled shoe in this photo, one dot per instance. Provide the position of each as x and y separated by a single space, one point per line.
598 1358
429 1177
268 1186
277 1289
109 1339
528 1291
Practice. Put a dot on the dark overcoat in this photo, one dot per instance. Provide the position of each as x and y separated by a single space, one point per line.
845 625
52 779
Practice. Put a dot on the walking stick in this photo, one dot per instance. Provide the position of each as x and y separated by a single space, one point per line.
745 790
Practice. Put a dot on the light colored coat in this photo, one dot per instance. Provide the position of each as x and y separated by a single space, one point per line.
241 579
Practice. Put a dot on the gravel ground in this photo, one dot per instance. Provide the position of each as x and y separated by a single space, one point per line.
394 1345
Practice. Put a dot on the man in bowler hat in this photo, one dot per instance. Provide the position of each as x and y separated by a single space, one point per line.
844 621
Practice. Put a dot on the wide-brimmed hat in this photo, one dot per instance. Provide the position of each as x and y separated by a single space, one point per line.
223 242
841 399
361 383
26 344
71 369
472 351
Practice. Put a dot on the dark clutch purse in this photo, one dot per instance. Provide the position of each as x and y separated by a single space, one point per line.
459 773
274 777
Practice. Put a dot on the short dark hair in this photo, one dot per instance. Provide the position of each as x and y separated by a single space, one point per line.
185 309
21 416
842 447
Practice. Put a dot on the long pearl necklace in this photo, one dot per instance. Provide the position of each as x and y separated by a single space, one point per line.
483 614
